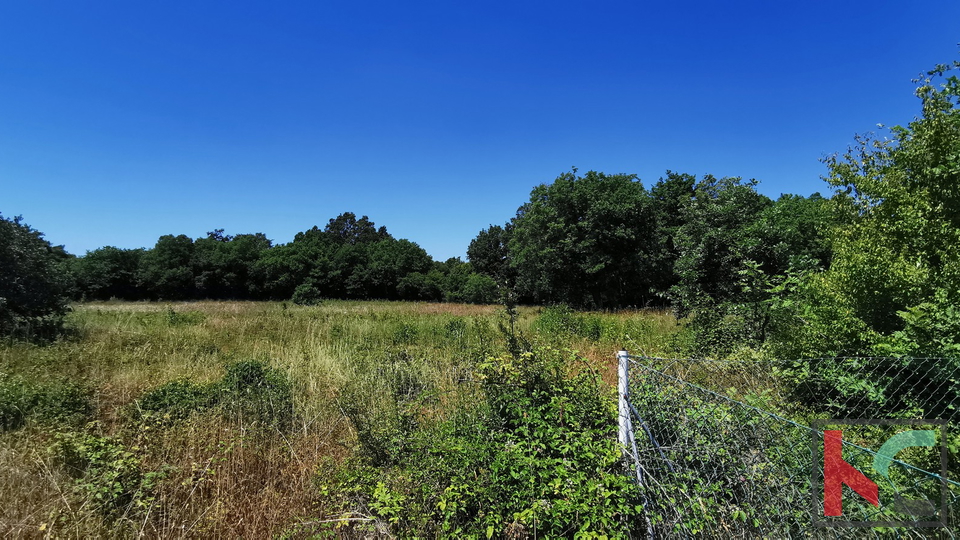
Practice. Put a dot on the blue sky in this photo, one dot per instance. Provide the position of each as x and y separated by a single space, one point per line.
123 121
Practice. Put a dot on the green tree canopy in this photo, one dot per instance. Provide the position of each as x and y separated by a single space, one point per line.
166 270
585 240
32 282
108 272
895 275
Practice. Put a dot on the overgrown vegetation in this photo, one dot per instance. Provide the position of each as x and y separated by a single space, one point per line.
32 283
264 419
531 453
50 403
250 390
421 419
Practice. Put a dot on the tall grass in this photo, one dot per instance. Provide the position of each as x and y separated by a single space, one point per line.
213 471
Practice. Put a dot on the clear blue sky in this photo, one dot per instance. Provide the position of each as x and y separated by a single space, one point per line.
123 121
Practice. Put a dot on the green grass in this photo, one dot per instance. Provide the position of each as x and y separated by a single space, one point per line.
211 469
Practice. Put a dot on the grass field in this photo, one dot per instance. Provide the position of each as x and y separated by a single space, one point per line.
140 422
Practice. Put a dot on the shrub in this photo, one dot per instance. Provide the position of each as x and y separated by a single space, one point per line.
175 400
250 390
306 295
256 392
32 287
537 452
22 401
107 471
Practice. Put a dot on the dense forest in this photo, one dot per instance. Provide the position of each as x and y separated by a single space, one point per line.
873 268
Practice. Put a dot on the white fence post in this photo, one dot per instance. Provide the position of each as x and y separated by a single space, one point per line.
625 434
623 388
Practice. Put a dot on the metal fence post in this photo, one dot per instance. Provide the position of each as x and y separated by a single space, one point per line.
625 434
623 407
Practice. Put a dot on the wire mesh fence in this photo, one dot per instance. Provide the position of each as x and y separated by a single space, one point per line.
735 449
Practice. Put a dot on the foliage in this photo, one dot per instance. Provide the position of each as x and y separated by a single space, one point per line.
893 281
165 271
222 264
108 272
669 196
250 390
420 286
489 253
582 241
174 400
718 468
535 456
898 207
107 471
715 240
384 402
32 285
51 403
306 295
253 390
349 258
735 247
561 321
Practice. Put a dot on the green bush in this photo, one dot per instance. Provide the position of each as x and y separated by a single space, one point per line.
23 401
250 390
170 318
536 452
106 471
405 334
175 400
726 470
306 295
33 289
256 392
188 318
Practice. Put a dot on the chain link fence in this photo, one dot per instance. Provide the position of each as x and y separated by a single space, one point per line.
725 449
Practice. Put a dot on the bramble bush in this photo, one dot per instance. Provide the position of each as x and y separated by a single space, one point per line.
106 471
250 390
534 453
51 403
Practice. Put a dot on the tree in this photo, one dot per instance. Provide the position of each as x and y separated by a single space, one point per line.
166 270
896 270
347 229
349 258
716 237
420 286
222 264
794 232
669 196
584 240
108 272
489 253
32 286
894 279
388 261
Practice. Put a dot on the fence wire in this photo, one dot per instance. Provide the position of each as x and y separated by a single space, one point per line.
724 449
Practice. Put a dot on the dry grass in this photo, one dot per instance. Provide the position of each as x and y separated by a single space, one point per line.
227 479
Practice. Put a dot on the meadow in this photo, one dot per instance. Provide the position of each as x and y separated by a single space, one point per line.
268 419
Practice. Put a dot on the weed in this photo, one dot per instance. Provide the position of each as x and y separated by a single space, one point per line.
107 472
22 400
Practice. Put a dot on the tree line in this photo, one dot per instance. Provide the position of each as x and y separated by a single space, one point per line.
873 267
348 258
